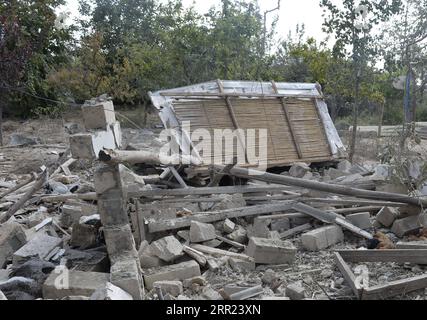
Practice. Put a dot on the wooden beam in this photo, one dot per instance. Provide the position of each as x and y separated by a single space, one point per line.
324 187
416 256
209 191
221 253
395 288
289 122
234 94
294 231
233 118
348 275
208 217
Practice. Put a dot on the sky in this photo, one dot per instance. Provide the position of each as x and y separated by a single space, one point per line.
292 12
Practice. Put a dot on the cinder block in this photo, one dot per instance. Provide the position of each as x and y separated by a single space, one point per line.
322 238
201 232
98 116
271 251
62 284
119 240
408 225
40 245
12 238
174 288
387 216
180 271
72 213
88 145
126 275
361 220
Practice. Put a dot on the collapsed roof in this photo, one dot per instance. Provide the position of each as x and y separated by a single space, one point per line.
295 115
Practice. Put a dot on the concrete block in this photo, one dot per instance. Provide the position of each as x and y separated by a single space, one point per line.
147 258
361 220
299 170
241 265
40 245
295 291
180 271
84 236
239 235
260 228
167 248
88 145
402 227
98 116
126 275
228 226
387 216
110 292
174 288
322 238
271 251
12 238
200 232
119 239
62 284
72 213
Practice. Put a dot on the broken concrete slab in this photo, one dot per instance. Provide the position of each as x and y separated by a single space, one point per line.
295 291
174 288
322 238
126 275
40 245
201 232
119 241
111 292
180 271
271 251
405 226
239 235
167 248
361 220
62 283
387 215
12 238
2 296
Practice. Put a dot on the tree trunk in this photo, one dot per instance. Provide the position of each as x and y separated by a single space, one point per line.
355 121
1 124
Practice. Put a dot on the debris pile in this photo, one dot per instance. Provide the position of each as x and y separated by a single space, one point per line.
94 229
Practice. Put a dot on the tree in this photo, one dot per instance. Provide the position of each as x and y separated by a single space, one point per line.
352 26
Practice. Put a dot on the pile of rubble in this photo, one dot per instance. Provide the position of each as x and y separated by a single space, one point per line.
306 233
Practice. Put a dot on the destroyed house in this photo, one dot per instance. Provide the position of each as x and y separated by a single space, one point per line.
299 127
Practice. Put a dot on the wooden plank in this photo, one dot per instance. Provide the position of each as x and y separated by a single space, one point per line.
289 122
416 256
200 95
395 288
348 275
221 253
209 217
325 187
210 190
294 231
